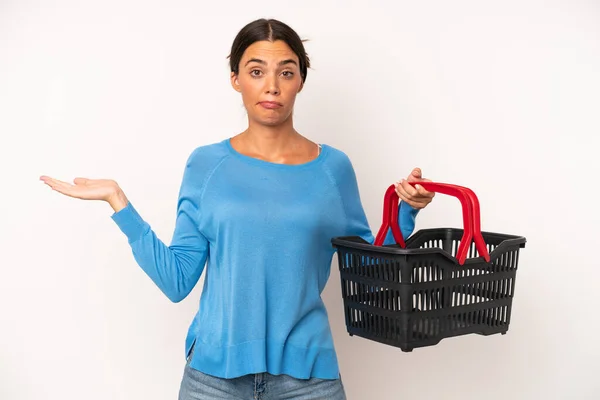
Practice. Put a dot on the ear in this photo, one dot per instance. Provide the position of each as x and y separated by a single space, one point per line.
301 86
235 84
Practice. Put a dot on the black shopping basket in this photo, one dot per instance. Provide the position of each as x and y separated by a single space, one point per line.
441 283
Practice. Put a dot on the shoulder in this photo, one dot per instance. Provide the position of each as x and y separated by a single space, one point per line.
202 162
213 152
338 162
206 157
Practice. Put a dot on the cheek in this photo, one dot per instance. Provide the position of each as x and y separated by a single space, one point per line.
295 87
249 89
292 93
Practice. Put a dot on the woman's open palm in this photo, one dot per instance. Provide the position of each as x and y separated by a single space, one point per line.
83 188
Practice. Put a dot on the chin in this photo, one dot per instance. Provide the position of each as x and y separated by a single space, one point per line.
275 120
271 123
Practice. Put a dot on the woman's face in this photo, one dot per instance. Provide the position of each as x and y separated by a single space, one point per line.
269 79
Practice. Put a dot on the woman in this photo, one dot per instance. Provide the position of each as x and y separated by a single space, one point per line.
259 210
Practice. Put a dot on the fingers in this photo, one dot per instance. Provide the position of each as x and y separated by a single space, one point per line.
407 193
60 186
406 189
416 175
52 181
416 196
422 192
57 185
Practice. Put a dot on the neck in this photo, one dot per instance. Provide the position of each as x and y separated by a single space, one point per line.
270 139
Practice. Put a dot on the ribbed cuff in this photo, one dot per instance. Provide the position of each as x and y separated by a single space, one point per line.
407 215
406 208
130 222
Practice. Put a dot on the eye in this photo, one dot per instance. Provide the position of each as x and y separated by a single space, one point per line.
255 72
288 74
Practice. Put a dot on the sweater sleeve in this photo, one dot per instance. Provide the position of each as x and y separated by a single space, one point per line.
357 224
177 267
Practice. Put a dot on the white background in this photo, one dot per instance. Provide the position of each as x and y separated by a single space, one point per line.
502 97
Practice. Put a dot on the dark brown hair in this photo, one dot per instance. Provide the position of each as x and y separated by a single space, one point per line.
271 30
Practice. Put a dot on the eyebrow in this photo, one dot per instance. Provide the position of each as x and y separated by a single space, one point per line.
284 62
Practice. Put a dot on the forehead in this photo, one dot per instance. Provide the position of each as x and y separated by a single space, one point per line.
269 51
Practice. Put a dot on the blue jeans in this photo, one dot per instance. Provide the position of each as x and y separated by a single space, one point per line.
196 385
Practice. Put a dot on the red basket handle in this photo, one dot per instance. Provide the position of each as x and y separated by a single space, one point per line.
470 206
390 219
480 244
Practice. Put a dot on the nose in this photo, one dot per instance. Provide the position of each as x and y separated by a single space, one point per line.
272 86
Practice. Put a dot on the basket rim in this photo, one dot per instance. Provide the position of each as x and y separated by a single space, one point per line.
358 243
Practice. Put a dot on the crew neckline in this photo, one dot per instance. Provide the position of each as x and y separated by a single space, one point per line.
257 161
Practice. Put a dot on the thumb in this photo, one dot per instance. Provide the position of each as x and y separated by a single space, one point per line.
415 175
80 181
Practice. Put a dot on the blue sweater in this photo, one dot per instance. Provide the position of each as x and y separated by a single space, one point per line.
262 233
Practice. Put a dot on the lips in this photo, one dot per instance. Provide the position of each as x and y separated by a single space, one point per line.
271 105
